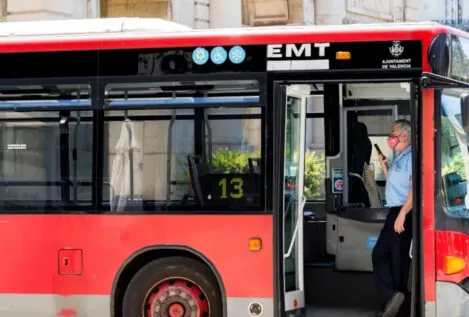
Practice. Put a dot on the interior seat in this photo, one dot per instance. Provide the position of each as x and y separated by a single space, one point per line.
198 168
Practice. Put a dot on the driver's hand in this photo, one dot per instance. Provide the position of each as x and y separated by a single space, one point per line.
382 160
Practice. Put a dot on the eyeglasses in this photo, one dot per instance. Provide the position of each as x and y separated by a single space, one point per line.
395 136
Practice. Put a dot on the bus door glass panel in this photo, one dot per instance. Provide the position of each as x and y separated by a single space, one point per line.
294 200
362 218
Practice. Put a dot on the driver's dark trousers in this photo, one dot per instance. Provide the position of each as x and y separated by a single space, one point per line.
391 260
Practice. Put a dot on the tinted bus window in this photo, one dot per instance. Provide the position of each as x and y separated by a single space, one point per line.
200 150
459 58
315 160
454 156
46 156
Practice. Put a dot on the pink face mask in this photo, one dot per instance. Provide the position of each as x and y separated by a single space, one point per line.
392 142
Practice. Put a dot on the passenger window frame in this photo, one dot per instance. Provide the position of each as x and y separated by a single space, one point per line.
260 104
66 102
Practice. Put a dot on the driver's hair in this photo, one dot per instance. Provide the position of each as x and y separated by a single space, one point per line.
403 125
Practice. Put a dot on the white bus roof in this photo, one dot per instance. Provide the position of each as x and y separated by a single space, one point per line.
120 32
89 27
133 26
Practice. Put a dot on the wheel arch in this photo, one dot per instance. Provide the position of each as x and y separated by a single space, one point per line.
141 257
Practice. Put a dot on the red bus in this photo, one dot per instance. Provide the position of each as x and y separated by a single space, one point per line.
152 170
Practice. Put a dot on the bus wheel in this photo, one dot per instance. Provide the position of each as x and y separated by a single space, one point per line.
173 287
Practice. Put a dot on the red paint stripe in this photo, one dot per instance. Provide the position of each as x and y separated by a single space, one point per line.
230 37
30 244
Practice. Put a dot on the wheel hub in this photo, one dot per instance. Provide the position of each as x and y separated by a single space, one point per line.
176 298
176 310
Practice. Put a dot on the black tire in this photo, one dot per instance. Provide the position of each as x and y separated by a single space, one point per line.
163 269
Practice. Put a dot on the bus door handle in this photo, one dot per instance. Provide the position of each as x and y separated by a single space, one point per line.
295 232
410 249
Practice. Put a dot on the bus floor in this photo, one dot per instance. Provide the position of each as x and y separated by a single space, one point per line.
337 312
347 294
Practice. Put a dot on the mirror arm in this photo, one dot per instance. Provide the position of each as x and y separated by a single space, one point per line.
430 80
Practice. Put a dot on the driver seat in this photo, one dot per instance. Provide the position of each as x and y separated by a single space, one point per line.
359 149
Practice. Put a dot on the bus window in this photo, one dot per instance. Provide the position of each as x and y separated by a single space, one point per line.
315 161
46 157
202 151
454 156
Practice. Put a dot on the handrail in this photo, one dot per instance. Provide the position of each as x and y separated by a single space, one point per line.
410 249
295 232
75 154
209 136
287 208
131 152
169 155
53 183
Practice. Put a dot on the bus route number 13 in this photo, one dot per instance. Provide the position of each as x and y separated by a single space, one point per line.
235 189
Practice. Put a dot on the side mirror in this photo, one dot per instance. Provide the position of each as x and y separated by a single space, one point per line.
465 111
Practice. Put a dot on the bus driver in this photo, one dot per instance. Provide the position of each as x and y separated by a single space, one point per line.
391 261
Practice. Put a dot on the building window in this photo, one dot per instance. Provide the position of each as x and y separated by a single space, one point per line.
141 9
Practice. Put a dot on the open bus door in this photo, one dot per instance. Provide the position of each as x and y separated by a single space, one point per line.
354 224
295 98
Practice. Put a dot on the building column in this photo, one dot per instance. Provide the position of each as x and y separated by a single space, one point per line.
225 14
192 13
183 12
309 12
47 10
330 11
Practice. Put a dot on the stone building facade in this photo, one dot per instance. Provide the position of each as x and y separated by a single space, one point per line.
237 13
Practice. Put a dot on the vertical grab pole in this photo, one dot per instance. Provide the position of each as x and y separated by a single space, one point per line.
168 151
131 158
209 135
75 152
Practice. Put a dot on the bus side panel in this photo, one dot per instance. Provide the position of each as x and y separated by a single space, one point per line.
30 247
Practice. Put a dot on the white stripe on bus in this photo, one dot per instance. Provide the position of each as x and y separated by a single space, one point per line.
26 305
310 64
